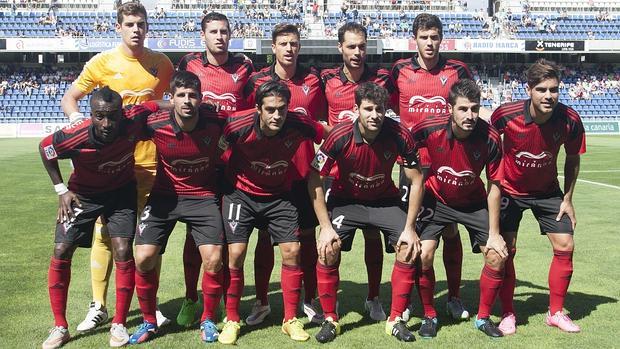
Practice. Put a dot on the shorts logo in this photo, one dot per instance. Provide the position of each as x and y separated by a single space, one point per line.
141 227
288 143
529 160
319 161
235 77
114 167
432 105
50 152
206 140
346 115
443 80
362 182
278 168
387 155
66 226
233 225
556 136
476 155
305 88
448 175
190 166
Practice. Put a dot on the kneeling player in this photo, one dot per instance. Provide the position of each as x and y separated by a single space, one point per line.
364 196
187 141
263 144
460 146
103 183
534 130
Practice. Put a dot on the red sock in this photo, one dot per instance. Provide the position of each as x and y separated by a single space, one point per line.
560 273
453 262
507 291
490 282
191 267
403 276
211 293
426 290
58 279
291 289
233 294
146 288
309 256
328 279
373 257
263 266
125 283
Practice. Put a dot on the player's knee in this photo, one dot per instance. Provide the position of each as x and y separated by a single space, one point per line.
494 260
564 244
145 259
427 257
290 253
212 260
63 251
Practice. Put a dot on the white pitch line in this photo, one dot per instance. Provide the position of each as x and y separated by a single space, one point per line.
597 183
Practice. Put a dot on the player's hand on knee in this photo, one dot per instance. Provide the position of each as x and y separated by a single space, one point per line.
328 244
409 241
567 208
497 244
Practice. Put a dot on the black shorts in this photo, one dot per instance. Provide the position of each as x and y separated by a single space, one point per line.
347 216
301 199
162 212
434 216
242 212
545 210
118 208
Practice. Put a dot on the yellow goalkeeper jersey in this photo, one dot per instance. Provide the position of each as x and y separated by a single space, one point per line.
136 79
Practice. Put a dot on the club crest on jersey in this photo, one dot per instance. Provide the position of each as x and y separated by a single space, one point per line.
556 136
206 140
288 143
50 152
305 88
444 80
476 155
222 144
387 154
153 71
235 77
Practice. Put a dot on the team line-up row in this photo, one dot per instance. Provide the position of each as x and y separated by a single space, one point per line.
232 151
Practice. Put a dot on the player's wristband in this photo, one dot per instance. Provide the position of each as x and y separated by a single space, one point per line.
76 116
61 189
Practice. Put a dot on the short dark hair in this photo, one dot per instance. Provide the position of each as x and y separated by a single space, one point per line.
542 70
106 95
464 88
133 8
425 21
272 88
371 92
284 28
184 78
213 16
353 27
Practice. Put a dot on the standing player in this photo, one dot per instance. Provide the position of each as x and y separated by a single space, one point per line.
260 168
534 130
222 76
340 84
137 74
102 184
423 84
460 146
364 195
307 98
185 190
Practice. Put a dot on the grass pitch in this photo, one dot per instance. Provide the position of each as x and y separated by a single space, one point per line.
28 209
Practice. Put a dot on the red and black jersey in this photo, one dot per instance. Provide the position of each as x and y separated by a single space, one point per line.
365 170
307 97
531 150
261 165
423 93
221 84
186 161
340 92
99 167
454 174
